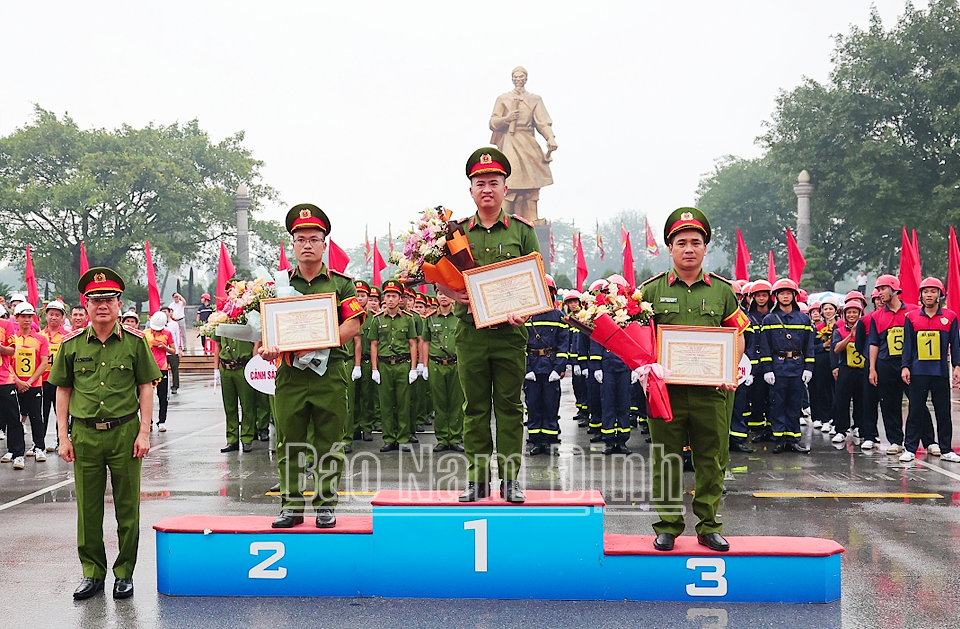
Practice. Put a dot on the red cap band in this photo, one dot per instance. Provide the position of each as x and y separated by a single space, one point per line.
311 221
687 224
490 167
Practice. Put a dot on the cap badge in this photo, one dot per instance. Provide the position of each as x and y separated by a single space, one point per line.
486 159
305 213
100 278
686 216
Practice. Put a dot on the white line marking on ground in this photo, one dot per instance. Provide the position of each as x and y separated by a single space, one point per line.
937 469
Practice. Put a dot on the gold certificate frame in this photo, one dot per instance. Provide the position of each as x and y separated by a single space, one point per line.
699 355
298 323
500 289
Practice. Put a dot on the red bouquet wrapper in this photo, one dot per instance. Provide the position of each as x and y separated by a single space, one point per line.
636 346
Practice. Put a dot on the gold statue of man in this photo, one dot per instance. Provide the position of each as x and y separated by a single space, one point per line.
516 115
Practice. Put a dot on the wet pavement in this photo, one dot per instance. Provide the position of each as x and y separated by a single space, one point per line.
900 524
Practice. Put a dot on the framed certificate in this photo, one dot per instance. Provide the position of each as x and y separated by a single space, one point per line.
515 286
303 322
699 355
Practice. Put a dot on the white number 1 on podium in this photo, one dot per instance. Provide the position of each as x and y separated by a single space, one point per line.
479 528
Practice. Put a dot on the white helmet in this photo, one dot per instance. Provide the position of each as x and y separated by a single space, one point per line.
158 321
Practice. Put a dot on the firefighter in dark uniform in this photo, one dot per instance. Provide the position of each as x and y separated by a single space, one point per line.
786 362
742 413
688 296
592 353
759 391
547 340
572 304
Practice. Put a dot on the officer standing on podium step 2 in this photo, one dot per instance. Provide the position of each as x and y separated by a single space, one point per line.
105 433
547 339
688 296
491 361
786 362
306 399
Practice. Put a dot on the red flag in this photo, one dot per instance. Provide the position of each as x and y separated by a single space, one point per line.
337 258
153 292
603 253
743 259
628 271
553 248
84 267
367 250
795 259
909 271
390 236
378 265
953 273
916 250
652 247
581 265
423 289
33 295
284 263
771 269
225 272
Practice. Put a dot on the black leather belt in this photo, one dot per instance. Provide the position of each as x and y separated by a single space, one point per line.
393 360
789 354
106 424
233 365
452 360
365 358
546 351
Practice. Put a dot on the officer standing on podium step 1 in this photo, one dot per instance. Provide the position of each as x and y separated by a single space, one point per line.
99 372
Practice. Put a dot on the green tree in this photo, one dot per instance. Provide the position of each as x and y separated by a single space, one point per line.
113 190
817 275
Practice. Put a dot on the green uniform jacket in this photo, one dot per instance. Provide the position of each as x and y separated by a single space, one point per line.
709 302
440 331
104 376
332 282
393 334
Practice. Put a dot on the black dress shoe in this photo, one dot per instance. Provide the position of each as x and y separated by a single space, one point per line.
474 492
274 489
624 449
390 446
714 541
511 492
793 446
406 447
597 438
123 588
583 423
538 449
419 427
664 541
347 448
611 449
413 439
288 519
780 447
264 435
441 447
739 446
248 447
326 519
763 436
645 428
230 447
87 588
366 436
458 447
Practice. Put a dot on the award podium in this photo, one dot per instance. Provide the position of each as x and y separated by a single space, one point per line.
429 545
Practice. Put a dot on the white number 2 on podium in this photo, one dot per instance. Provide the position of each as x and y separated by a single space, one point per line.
711 576
260 570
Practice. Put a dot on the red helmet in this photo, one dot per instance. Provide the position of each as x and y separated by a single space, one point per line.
784 284
572 294
875 293
802 295
550 283
738 286
747 288
854 294
892 281
759 286
814 305
932 282
853 304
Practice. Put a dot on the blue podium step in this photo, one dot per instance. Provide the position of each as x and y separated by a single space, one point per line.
551 548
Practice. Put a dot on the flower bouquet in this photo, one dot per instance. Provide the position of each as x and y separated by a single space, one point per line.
435 250
617 317
238 316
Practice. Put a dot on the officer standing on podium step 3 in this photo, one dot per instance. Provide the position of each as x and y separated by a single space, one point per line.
491 361
313 399
688 296
547 340
106 433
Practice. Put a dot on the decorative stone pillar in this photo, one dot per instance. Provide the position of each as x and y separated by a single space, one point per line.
241 203
803 189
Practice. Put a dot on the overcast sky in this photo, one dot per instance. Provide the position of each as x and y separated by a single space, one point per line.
370 109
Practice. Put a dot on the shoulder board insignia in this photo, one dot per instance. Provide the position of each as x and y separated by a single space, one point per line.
134 332
658 275
720 277
463 220
339 274
74 334
521 219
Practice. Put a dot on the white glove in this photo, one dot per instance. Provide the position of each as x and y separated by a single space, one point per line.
554 376
424 373
216 377
576 370
585 372
634 377
530 376
598 375
355 374
769 378
748 381
421 368
413 376
806 376
375 376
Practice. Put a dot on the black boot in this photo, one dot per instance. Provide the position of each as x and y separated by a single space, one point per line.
474 492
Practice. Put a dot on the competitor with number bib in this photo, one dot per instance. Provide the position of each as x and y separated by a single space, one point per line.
848 369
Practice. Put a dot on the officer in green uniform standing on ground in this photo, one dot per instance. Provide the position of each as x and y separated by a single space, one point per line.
492 361
98 371
393 356
362 410
312 396
230 358
439 334
688 296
